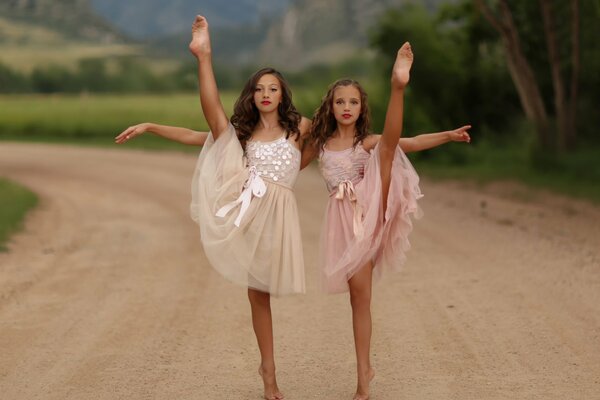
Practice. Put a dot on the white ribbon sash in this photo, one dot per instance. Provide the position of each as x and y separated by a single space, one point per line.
346 188
254 186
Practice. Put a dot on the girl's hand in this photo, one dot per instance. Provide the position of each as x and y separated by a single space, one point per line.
460 134
132 132
200 44
401 69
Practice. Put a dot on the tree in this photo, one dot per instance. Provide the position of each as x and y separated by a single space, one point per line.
459 75
502 19
12 81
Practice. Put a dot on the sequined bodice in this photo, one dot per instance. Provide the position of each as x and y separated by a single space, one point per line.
343 165
277 161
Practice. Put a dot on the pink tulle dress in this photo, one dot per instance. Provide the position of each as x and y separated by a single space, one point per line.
244 204
355 230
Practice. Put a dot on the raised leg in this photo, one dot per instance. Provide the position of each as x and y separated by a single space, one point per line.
209 93
392 129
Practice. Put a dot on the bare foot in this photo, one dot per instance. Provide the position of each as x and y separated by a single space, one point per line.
362 389
200 44
401 70
272 392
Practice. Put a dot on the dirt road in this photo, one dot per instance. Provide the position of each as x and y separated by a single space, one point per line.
106 294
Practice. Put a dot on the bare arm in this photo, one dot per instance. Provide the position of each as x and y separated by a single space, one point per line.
209 93
174 133
430 140
309 151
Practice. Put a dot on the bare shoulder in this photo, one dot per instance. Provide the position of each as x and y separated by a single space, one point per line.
370 142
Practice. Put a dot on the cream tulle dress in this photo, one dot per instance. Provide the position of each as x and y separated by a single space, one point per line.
356 230
245 206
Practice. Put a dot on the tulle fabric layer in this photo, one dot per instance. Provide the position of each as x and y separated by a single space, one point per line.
385 238
265 251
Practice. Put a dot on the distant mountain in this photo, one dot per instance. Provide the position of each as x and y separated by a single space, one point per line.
231 45
308 32
289 34
74 18
151 19
323 31
48 33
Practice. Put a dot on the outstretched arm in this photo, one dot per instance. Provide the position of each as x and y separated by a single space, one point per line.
430 140
209 94
181 135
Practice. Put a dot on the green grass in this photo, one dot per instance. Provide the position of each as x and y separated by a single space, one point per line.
576 174
96 119
15 201
25 45
81 116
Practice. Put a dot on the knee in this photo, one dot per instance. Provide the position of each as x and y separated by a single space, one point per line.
258 297
360 297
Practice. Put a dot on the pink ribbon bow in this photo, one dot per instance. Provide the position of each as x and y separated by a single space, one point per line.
346 189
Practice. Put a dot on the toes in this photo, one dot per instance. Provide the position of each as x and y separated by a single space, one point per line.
404 48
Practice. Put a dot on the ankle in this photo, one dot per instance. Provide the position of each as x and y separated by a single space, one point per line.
364 369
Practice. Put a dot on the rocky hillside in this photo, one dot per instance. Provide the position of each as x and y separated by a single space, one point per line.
317 31
308 32
149 19
290 34
75 18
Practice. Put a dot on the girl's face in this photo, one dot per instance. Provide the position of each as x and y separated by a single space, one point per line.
267 93
346 105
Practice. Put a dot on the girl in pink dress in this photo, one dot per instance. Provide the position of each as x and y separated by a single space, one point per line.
373 193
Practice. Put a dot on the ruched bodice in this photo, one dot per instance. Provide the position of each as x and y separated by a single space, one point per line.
356 230
277 161
343 165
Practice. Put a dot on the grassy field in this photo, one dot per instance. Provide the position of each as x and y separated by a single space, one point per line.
24 46
15 201
97 119
575 175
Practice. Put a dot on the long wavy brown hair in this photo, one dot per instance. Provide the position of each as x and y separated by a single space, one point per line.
246 115
324 123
